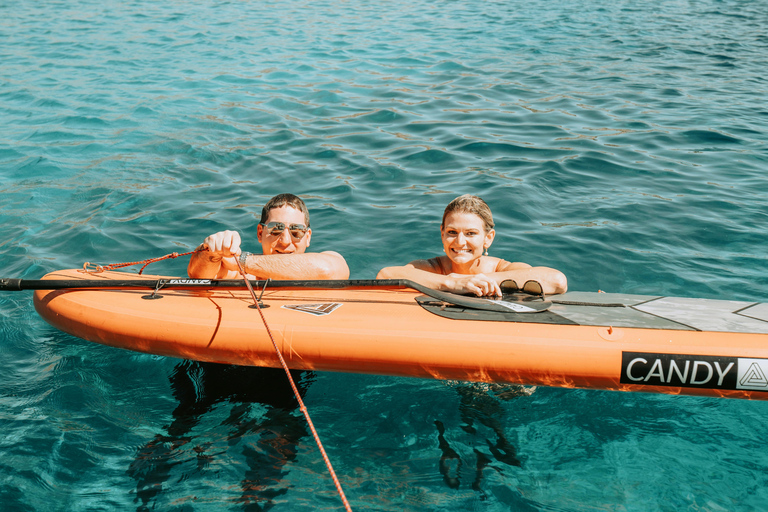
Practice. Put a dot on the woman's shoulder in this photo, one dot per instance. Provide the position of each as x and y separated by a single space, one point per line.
435 265
504 265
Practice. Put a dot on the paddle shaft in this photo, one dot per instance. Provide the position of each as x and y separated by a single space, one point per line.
11 285
208 284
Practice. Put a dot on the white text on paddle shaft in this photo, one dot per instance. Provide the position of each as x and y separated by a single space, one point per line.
699 372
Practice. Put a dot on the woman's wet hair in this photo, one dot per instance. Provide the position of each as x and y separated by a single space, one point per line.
283 200
470 204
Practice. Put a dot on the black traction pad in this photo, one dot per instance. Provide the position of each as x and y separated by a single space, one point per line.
462 313
517 307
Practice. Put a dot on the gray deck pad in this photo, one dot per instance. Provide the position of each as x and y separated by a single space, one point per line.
706 314
639 311
602 298
756 311
614 309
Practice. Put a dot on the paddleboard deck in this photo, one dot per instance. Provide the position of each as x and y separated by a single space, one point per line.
575 340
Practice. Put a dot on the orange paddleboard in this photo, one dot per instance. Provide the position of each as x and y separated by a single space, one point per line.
576 340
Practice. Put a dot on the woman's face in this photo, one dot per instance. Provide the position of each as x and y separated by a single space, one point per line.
464 237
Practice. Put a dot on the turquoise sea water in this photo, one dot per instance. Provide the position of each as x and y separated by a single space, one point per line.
623 143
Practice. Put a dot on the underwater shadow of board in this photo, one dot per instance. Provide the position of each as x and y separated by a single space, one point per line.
199 387
480 403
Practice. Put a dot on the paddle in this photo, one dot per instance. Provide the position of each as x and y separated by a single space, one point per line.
481 303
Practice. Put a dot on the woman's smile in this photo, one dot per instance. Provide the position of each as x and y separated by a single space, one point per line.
465 239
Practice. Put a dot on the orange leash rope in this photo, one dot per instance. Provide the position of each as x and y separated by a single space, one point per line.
92 268
296 392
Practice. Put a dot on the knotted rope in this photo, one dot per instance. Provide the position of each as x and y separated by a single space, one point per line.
92 268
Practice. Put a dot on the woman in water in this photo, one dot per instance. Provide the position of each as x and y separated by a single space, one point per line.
467 233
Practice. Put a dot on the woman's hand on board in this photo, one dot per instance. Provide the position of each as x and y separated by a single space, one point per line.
477 284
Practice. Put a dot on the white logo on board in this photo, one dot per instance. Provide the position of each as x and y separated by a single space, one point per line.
752 374
315 309
513 306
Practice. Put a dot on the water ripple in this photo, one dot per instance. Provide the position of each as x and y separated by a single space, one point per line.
629 134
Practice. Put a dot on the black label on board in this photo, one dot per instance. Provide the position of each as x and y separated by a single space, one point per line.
694 371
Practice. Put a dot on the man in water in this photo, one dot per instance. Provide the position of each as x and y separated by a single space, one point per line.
284 234
271 433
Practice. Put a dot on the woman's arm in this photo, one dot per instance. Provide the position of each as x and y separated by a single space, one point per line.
422 272
552 281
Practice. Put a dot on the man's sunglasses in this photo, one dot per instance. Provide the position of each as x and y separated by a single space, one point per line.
276 229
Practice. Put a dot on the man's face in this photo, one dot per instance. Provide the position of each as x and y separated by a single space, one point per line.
274 241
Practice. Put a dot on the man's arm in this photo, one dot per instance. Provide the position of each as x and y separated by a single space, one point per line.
314 265
221 247
206 265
